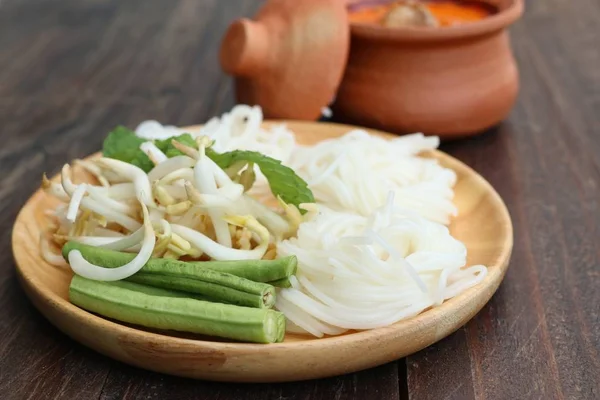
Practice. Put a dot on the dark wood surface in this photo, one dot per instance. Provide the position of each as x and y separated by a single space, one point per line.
72 69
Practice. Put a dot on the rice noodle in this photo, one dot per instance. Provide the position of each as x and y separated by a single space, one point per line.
357 272
354 173
152 130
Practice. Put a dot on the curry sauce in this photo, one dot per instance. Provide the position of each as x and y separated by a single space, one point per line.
423 13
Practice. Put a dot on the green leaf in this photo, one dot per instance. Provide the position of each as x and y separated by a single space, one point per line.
283 181
122 144
170 151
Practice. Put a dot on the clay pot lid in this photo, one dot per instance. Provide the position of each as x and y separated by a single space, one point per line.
290 58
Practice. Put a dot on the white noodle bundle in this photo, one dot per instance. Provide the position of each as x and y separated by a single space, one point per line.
355 172
154 130
241 129
358 272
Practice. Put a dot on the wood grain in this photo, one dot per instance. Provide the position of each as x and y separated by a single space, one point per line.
71 70
482 224
540 335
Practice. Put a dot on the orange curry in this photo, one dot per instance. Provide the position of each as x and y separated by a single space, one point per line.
445 12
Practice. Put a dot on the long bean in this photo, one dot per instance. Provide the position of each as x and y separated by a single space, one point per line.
254 270
163 309
172 274
242 293
282 283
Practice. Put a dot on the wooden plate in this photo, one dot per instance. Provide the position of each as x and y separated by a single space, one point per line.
483 225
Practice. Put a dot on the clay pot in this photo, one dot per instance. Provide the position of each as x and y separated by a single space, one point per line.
290 57
452 81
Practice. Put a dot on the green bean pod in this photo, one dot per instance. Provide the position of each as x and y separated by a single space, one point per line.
241 292
188 277
164 309
281 283
254 270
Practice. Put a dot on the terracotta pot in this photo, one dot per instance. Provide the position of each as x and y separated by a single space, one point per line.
453 81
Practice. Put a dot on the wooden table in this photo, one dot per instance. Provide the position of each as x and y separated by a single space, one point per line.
70 70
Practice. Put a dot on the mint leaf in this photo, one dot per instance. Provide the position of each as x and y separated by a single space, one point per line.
283 181
122 144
